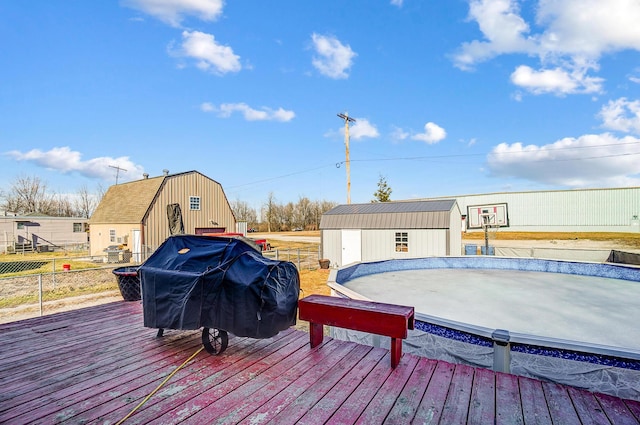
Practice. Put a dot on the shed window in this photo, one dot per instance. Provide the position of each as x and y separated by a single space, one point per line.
21 225
402 242
112 235
194 203
77 227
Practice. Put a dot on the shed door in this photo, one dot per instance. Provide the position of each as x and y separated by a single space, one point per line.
351 246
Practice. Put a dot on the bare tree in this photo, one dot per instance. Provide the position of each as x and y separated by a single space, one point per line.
27 195
85 202
270 211
244 212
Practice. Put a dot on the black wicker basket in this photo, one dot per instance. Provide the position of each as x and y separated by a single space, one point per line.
128 282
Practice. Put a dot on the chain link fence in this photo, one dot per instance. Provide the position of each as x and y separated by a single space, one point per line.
37 284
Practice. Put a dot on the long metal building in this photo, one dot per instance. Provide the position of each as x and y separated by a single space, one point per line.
579 210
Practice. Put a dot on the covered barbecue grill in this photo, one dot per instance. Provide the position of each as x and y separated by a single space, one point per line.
219 284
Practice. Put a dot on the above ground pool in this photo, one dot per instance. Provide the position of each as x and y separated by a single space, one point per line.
571 322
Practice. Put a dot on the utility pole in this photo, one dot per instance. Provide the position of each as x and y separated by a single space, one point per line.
118 169
347 119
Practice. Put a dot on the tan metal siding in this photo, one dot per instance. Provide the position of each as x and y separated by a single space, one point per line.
178 189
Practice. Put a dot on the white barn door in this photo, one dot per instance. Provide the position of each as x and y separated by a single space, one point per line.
351 246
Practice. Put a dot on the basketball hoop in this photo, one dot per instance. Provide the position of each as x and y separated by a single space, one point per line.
490 226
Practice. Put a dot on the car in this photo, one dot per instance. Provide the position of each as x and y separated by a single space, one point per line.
252 230
298 229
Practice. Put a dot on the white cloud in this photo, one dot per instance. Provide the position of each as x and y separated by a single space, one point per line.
621 115
557 81
360 129
65 160
573 35
173 12
433 133
587 161
207 107
398 134
333 59
225 110
397 2
209 55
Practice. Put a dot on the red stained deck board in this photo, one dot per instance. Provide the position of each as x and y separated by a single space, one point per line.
312 395
228 408
534 405
456 407
67 391
383 401
201 373
353 406
508 407
482 409
430 408
634 408
325 408
209 391
560 405
587 407
94 365
409 399
617 411
315 367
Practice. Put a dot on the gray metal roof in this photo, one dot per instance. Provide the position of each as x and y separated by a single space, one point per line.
390 215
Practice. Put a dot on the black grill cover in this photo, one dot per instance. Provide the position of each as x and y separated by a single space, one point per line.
215 282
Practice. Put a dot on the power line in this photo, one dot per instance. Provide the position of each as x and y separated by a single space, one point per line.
437 157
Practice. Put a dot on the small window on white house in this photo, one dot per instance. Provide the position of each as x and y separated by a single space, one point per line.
194 203
78 227
112 235
402 242
20 225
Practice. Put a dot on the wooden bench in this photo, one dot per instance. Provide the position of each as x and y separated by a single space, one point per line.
366 316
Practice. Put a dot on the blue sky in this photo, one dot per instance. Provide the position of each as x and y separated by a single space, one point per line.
449 97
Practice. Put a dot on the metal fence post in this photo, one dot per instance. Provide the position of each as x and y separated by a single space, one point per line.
53 274
298 258
40 292
501 351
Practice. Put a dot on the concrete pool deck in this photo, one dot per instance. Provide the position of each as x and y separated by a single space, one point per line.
589 309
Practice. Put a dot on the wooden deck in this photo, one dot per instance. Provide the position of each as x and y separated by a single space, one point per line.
95 365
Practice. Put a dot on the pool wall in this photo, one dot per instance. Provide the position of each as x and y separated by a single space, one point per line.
599 368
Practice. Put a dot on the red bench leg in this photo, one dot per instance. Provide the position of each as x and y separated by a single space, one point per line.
316 334
396 351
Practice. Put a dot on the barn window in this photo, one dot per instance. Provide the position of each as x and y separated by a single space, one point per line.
77 227
402 242
194 203
112 235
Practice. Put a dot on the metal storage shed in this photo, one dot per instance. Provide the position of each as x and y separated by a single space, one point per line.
380 231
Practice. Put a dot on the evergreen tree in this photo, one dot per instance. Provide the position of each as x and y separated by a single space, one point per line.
383 194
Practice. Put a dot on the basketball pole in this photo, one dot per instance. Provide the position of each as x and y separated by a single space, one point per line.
347 119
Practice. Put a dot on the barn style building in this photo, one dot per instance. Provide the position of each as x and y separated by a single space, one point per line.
138 216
